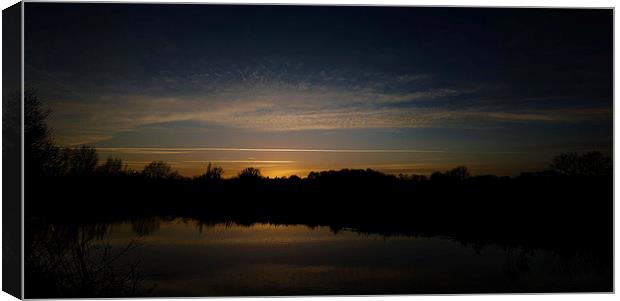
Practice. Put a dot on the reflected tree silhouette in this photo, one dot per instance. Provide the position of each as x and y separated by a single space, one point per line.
145 226
68 261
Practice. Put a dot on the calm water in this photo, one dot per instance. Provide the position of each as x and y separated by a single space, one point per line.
181 257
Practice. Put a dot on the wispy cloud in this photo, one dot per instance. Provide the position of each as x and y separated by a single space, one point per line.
267 102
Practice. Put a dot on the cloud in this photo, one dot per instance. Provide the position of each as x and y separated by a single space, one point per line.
77 123
408 78
269 107
261 100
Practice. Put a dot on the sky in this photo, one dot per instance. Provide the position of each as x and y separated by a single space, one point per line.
290 89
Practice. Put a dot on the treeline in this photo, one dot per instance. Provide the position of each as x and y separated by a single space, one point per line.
84 161
550 207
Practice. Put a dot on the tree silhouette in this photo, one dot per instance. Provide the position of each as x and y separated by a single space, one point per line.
458 173
112 167
41 156
211 174
438 176
82 160
250 173
587 164
36 132
159 170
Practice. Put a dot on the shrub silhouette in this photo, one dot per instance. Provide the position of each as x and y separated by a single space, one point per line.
413 178
250 173
458 173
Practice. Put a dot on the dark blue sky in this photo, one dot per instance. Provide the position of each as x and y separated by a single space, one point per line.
468 82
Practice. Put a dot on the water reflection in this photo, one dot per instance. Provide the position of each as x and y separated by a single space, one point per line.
76 261
186 257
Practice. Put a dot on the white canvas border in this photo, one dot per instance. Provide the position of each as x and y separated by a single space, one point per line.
475 3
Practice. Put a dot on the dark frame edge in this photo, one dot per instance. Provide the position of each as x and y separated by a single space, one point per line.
12 151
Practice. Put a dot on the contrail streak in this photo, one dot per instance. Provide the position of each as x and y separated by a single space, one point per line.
283 150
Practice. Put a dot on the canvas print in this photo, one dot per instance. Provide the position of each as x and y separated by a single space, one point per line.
199 150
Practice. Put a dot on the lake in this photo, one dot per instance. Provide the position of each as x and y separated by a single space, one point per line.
184 257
